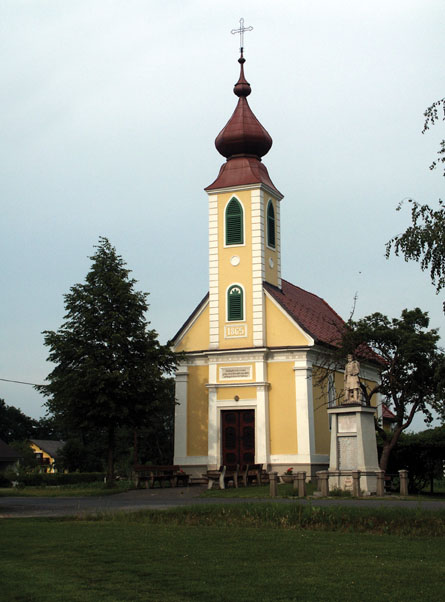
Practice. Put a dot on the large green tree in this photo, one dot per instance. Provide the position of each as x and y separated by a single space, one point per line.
410 364
109 366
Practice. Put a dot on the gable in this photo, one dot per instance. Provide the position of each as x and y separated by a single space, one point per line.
195 334
281 329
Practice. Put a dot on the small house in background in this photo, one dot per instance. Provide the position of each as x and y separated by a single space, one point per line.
388 418
8 456
45 452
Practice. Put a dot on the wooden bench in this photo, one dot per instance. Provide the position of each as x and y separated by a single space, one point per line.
251 472
223 476
169 473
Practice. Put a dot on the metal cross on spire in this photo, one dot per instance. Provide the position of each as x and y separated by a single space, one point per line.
241 31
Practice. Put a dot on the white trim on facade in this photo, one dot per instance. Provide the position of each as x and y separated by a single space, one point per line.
278 240
258 267
180 444
235 189
213 273
304 409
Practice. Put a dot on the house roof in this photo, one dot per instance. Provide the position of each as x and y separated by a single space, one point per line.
311 313
387 414
48 446
8 454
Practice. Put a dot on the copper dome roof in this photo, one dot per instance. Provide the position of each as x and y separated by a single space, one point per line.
243 141
243 134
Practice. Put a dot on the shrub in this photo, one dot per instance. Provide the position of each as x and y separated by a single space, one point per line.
59 478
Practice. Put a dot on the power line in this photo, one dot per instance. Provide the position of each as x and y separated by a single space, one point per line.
20 382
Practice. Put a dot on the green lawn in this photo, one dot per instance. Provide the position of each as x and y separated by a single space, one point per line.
263 491
83 489
158 556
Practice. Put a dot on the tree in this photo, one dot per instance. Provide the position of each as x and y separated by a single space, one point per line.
409 361
15 425
424 241
423 455
431 115
109 367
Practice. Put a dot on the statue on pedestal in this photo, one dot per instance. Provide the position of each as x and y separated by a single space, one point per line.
353 393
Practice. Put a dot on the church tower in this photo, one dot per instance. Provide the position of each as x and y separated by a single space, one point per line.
245 392
244 230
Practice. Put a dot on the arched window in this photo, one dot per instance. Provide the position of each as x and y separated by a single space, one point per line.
235 303
234 223
270 225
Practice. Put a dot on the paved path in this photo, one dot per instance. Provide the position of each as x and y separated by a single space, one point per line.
159 499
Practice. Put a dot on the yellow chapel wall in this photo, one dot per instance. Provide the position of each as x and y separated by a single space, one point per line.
320 404
197 411
280 330
240 274
197 336
282 409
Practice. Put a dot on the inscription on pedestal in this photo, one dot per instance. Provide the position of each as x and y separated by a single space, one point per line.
347 453
347 423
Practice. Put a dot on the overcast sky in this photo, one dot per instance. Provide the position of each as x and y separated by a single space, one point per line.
109 111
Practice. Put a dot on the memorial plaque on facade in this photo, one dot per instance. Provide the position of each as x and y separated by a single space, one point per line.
347 453
347 423
235 331
235 373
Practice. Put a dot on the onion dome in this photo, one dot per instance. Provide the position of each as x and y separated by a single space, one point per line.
243 141
243 134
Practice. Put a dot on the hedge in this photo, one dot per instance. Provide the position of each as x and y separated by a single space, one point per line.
60 478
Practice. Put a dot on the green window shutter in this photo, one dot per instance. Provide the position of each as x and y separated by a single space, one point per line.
235 303
234 223
270 225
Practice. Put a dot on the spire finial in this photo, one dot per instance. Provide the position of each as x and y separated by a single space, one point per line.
241 31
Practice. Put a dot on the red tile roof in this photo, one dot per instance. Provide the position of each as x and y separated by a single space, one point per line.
312 313
240 171
386 413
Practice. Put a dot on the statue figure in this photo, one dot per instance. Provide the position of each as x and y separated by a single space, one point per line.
352 388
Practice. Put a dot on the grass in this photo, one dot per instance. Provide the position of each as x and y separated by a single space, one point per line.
263 491
83 489
164 556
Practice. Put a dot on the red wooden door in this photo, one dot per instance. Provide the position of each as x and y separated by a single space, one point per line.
238 437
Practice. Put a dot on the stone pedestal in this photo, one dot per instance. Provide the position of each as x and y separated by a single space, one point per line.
353 448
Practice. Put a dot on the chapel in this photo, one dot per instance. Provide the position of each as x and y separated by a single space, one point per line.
246 391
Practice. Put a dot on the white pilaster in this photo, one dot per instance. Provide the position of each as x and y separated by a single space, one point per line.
213 273
258 267
278 240
262 435
213 429
181 413
304 409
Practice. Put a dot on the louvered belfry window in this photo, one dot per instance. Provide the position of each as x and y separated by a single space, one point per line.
235 303
270 225
234 223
